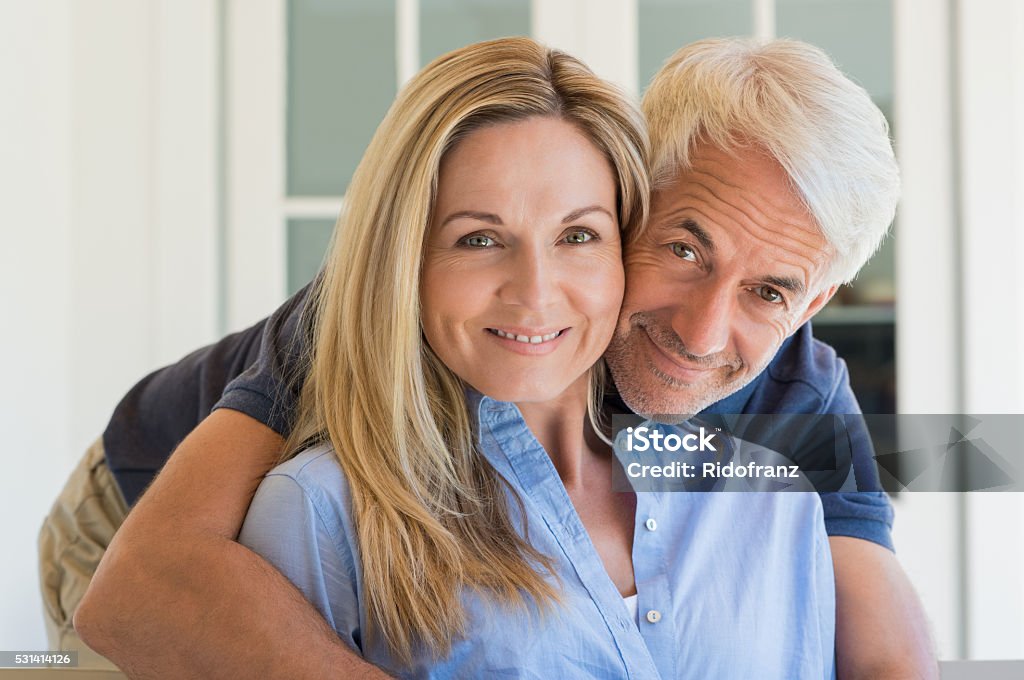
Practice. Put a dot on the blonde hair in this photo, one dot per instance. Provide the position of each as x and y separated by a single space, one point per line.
790 99
431 515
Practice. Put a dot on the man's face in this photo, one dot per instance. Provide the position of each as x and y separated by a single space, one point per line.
730 265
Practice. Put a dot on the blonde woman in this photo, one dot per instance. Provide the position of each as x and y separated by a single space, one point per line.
451 511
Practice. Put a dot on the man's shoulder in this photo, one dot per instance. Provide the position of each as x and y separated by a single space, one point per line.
161 409
805 376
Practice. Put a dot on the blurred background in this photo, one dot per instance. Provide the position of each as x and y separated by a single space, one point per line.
170 170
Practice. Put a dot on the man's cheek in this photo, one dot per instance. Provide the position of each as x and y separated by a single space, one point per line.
640 261
791 322
648 290
760 341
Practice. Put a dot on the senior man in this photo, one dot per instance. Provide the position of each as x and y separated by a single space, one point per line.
775 182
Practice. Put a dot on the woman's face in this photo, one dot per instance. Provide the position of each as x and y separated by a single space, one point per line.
522 275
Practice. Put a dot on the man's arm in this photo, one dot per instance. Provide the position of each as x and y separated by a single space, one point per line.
881 629
176 596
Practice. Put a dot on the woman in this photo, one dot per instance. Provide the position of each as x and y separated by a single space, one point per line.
453 512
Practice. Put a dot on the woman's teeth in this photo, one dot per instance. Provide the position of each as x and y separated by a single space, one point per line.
526 339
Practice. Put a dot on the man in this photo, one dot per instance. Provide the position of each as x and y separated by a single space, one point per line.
775 182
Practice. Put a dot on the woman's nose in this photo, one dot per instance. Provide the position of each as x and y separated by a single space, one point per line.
531 279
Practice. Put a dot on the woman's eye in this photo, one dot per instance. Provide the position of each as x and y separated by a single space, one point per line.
684 252
478 241
769 294
580 236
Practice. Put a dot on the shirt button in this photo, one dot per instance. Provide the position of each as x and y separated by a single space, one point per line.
651 524
654 616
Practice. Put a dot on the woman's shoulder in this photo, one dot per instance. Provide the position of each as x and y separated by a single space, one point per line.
308 489
317 472
312 461
300 522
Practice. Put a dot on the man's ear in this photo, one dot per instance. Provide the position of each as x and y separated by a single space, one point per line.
817 303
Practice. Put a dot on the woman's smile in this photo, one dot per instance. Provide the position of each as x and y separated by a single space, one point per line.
527 342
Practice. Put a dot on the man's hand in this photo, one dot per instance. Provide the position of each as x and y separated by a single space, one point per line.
176 596
881 630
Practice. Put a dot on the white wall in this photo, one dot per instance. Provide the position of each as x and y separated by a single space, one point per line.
109 231
927 529
35 295
960 311
991 151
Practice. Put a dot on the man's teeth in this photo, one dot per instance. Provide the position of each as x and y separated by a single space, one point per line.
527 339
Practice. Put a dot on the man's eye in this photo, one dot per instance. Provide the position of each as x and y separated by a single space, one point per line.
684 252
478 241
769 294
579 236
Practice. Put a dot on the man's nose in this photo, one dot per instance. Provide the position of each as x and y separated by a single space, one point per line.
703 320
531 279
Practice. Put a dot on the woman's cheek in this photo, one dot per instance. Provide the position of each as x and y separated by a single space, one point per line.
600 286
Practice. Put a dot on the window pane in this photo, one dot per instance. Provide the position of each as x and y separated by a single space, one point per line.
307 243
857 34
448 24
666 25
341 80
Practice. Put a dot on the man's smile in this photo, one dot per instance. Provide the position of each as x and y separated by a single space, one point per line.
671 359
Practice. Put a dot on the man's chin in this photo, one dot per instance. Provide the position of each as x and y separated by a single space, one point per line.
666 418
663 410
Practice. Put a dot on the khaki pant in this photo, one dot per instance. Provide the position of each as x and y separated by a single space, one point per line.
74 537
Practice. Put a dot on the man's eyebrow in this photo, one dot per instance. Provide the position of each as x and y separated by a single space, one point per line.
793 285
576 214
690 225
490 218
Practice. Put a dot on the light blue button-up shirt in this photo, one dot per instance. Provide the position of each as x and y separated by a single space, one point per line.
730 585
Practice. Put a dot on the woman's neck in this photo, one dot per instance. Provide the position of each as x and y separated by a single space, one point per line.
562 427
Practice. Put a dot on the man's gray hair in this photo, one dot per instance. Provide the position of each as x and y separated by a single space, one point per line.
788 98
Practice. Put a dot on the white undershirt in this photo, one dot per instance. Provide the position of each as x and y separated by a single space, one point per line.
632 606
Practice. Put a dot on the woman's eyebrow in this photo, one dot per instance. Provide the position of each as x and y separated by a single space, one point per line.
490 218
576 214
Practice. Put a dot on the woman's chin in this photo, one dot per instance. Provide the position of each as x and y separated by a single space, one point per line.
516 389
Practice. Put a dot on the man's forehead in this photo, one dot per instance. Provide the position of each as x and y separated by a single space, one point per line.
745 182
742 175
